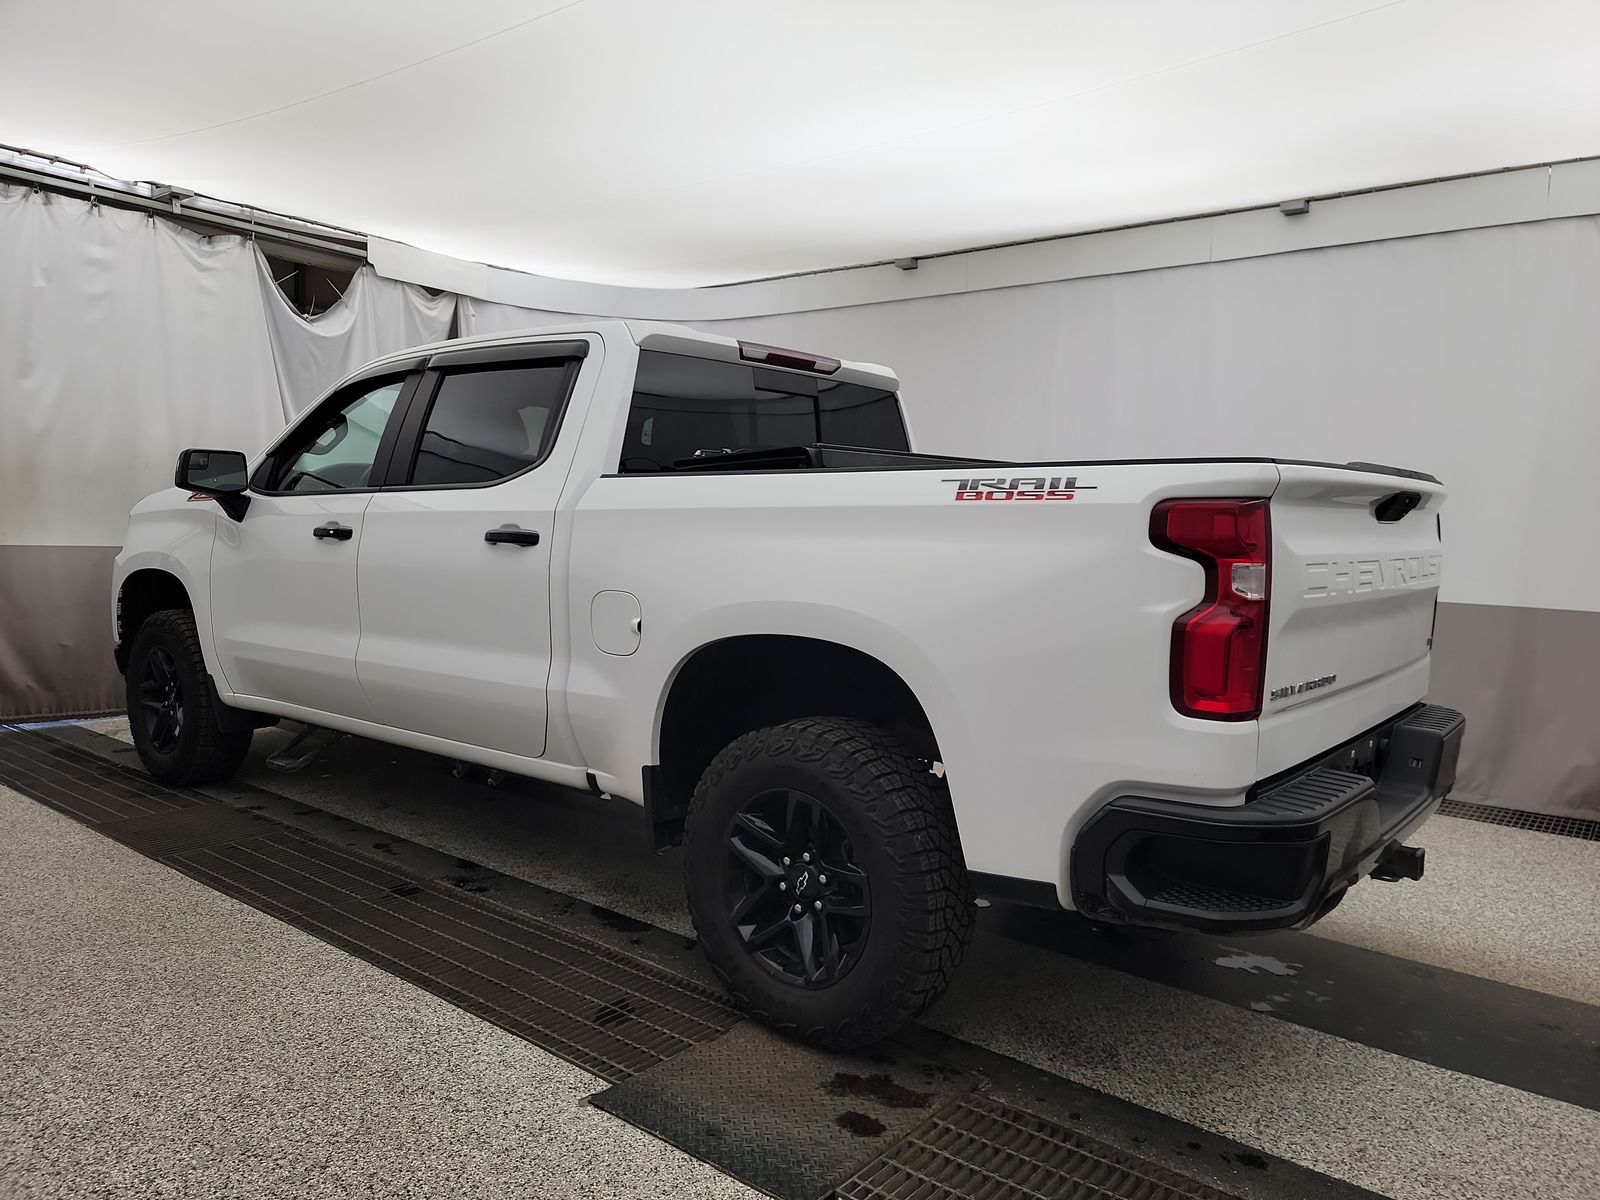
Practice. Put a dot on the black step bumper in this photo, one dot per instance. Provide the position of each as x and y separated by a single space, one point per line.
1286 856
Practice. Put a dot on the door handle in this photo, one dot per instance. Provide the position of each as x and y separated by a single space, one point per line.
510 535
334 530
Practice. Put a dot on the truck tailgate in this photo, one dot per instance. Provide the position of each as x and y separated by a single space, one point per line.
1355 574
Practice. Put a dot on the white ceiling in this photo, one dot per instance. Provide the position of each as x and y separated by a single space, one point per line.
683 142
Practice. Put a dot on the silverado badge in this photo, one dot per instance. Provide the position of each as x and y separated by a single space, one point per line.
1294 689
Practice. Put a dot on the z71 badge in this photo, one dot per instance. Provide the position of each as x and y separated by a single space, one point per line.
1019 487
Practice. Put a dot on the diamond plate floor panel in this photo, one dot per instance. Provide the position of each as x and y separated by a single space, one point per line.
785 1118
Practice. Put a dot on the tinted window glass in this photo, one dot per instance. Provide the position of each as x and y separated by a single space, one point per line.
335 448
682 405
853 415
486 425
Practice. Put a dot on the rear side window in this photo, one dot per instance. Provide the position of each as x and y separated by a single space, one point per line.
682 405
487 425
853 415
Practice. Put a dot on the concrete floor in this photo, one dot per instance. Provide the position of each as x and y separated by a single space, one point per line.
381 1078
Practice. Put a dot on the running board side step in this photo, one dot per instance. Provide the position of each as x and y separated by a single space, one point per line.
307 745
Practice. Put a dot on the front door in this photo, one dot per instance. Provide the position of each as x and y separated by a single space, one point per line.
283 579
454 574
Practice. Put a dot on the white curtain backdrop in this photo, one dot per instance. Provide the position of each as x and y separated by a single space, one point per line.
376 316
122 340
489 316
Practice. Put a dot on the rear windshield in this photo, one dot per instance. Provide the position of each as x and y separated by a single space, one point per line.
683 406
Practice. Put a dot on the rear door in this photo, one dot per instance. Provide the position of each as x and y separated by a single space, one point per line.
1355 577
454 572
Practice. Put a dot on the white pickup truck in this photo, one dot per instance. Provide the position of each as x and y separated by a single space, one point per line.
860 685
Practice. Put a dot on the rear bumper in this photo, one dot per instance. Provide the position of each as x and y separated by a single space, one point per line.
1283 858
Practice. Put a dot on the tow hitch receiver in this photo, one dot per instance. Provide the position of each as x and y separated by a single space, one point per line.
1399 862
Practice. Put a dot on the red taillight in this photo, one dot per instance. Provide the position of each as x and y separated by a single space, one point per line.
777 356
1219 647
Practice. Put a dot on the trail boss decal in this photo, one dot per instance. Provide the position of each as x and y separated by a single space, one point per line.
1018 487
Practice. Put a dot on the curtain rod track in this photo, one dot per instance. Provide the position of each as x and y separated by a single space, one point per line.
259 224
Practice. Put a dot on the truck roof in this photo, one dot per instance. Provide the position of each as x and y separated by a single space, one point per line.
648 335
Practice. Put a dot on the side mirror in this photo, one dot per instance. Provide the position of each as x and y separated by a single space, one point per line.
221 474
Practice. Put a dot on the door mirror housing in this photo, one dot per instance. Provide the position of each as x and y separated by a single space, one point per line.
222 475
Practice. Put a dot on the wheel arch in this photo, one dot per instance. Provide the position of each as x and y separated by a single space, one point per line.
733 685
142 593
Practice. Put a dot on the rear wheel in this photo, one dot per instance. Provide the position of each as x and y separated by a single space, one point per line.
826 880
171 708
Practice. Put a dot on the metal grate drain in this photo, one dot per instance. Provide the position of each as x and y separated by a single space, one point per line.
976 1146
70 781
161 833
1574 827
591 1004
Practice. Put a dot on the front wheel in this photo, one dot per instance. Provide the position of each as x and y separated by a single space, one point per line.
826 881
171 708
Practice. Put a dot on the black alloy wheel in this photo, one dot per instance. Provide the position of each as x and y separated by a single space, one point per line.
161 700
797 899
183 732
824 872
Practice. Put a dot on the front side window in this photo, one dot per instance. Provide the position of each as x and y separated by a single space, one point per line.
487 425
336 448
684 405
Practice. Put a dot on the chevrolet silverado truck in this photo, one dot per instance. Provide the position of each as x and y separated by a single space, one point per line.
861 686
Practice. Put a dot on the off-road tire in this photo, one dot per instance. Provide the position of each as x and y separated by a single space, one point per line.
203 753
898 816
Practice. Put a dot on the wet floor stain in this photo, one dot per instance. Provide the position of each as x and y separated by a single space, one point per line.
860 1125
1247 1159
1257 963
1271 1003
877 1087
